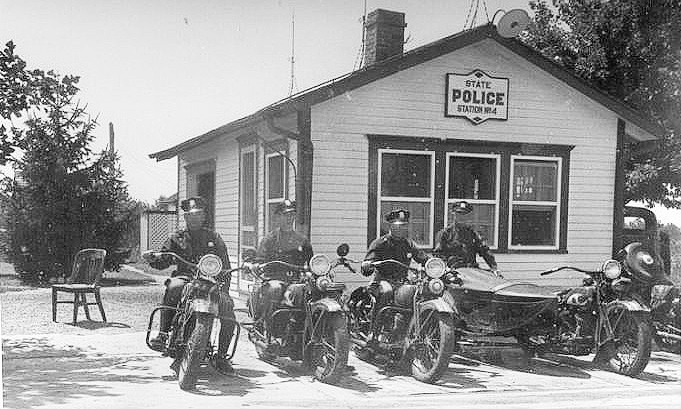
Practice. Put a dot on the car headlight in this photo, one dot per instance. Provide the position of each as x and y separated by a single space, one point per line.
612 269
435 267
320 265
210 265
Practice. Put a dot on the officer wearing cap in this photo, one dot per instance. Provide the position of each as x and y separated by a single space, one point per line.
393 245
458 244
284 243
191 244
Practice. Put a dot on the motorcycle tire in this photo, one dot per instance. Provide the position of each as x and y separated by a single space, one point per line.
633 336
194 352
429 362
330 364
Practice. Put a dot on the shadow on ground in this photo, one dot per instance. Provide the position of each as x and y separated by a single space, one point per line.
29 383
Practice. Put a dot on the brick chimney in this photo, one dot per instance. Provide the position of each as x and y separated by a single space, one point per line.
384 35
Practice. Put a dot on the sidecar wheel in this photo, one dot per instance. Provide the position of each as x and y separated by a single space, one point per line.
629 352
194 352
430 350
328 355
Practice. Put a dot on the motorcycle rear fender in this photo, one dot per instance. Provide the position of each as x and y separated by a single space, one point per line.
437 304
326 304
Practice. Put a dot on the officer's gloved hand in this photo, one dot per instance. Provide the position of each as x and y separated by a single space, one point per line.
497 273
367 269
150 256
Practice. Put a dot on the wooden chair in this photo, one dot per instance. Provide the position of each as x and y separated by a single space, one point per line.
87 270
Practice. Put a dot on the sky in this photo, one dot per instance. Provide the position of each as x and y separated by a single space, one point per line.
164 71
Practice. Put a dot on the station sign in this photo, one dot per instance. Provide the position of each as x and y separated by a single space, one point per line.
476 96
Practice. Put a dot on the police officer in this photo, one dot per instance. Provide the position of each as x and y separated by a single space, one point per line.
284 243
458 244
191 244
394 245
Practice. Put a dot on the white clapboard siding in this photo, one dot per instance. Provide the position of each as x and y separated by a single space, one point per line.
410 103
224 150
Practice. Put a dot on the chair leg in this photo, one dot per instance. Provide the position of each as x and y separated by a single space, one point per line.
83 298
54 305
76 305
99 304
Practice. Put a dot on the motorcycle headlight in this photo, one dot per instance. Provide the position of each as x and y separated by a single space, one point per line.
435 267
320 265
612 269
210 265
436 286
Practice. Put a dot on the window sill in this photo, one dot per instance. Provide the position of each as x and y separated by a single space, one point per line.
532 251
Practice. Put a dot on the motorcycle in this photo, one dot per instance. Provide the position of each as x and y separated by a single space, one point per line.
603 316
415 330
296 312
663 297
189 340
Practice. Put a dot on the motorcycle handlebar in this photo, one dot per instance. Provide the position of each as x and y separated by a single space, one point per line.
555 270
399 263
159 254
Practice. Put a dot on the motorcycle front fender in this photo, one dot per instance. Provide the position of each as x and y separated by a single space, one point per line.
327 305
203 305
437 304
630 305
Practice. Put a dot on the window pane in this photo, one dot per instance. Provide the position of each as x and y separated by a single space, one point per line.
535 180
248 239
248 206
634 223
419 220
481 219
405 175
533 226
272 218
275 178
472 178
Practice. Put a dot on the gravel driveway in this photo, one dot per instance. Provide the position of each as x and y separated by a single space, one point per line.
127 309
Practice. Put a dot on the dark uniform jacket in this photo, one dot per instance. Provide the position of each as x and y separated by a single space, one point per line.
459 245
192 246
401 249
287 246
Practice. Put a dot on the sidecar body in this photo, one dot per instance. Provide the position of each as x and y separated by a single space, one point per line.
494 306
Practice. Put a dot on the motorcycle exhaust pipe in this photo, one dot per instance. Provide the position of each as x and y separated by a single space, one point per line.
668 335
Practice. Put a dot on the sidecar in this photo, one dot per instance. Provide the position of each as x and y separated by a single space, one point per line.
490 305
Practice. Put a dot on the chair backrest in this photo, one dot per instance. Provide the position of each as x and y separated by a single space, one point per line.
88 266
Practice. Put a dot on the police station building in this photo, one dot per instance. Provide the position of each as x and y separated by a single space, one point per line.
474 116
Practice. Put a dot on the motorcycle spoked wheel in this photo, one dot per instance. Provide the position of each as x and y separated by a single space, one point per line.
629 352
429 351
194 351
328 357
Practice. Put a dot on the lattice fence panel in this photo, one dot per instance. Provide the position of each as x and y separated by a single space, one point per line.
161 225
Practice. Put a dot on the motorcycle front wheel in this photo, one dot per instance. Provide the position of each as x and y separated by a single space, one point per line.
430 345
327 355
194 352
629 351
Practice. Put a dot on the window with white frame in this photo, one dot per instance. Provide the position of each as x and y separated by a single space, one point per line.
407 181
474 177
534 202
275 189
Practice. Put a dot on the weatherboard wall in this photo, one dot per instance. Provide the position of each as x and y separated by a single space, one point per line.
410 104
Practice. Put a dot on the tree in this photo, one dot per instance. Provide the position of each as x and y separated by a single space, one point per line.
64 197
631 50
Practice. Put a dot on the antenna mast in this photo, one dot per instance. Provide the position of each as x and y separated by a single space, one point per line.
360 55
293 87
